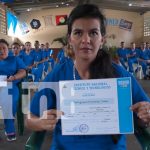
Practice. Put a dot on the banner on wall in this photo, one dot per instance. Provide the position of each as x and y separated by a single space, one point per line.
61 20
124 24
48 20
15 27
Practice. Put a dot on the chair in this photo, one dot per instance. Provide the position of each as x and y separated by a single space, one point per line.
139 73
30 75
35 141
142 134
20 114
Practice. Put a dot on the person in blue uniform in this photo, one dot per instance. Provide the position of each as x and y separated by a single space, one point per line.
132 57
60 55
27 55
46 55
147 46
47 46
86 32
16 49
38 61
51 62
14 68
122 54
144 59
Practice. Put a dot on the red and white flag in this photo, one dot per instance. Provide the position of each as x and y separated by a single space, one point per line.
61 20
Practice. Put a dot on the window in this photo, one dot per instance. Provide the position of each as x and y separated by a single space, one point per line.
3 24
147 27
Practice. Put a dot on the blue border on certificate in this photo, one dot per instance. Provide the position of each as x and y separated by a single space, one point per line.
124 104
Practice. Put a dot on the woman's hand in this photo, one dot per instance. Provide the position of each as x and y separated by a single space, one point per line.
49 119
11 78
142 109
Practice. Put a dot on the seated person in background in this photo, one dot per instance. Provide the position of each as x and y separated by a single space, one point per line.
68 54
16 49
61 54
46 55
27 55
147 46
132 57
22 46
14 68
122 54
86 33
51 61
144 59
42 47
38 62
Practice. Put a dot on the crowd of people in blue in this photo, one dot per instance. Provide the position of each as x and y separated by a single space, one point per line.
134 55
24 64
86 32
38 60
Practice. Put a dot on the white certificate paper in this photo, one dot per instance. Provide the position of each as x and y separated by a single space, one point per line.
3 82
100 106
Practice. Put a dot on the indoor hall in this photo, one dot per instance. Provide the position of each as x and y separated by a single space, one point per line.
45 21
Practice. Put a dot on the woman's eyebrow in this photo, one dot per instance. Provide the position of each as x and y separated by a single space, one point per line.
76 29
95 29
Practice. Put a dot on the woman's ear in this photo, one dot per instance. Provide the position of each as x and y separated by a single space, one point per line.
103 41
69 40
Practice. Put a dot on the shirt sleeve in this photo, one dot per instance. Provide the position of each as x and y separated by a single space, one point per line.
44 99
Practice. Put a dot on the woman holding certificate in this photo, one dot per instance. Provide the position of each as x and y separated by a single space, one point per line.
13 69
86 34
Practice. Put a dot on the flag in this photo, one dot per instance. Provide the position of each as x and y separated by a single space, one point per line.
61 20
48 20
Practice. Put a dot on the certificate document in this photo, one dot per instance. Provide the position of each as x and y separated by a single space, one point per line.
99 106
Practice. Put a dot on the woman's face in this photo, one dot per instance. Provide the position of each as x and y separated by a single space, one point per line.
3 51
86 38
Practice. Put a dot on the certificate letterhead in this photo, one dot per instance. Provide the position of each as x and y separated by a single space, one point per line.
99 106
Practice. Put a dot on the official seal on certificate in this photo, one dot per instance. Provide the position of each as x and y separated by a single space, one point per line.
83 128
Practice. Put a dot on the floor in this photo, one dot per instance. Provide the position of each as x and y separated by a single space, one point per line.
132 143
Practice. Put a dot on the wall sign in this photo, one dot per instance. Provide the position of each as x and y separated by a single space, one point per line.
124 24
35 24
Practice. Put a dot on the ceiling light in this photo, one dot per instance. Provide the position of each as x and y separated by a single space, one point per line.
29 9
57 6
130 4
62 3
67 4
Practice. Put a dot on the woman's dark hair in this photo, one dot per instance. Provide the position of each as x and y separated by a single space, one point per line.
4 41
101 67
87 11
